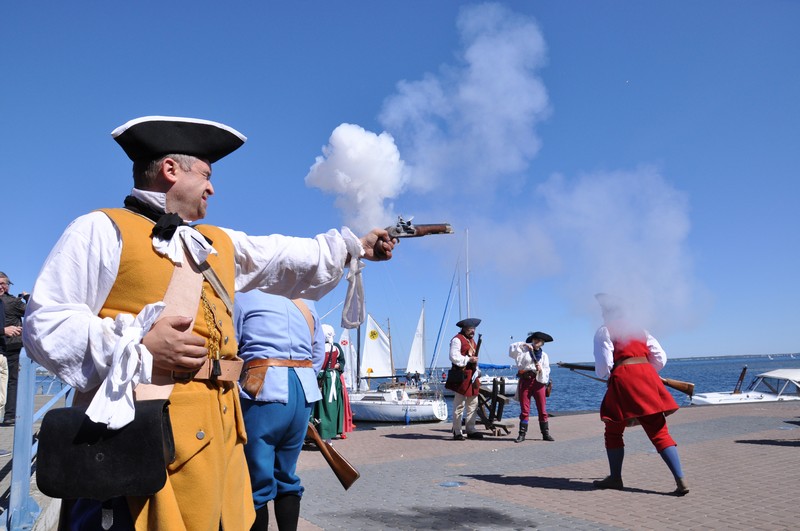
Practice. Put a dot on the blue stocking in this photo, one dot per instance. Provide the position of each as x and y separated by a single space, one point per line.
615 456
670 457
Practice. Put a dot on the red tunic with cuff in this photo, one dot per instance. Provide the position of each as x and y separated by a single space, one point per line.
634 389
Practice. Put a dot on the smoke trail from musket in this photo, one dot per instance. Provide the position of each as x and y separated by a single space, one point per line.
625 233
364 171
465 130
468 135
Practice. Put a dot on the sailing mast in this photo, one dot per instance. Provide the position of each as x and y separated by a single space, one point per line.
445 316
391 356
423 335
469 310
358 359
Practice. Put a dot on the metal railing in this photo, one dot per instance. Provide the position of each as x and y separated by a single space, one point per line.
22 508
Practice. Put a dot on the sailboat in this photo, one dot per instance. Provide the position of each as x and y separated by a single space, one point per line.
416 356
389 404
350 359
415 368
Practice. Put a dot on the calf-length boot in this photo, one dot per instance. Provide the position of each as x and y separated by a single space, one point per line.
287 512
262 519
523 429
545 427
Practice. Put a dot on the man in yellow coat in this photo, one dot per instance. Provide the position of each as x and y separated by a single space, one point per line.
135 303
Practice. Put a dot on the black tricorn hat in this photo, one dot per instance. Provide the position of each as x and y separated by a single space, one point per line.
547 338
470 322
150 137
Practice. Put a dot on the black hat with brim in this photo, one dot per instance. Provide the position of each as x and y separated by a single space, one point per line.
470 322
151 137
546 338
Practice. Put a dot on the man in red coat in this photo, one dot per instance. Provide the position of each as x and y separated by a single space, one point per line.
630 358
464 357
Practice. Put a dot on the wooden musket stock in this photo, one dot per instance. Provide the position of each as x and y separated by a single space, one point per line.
684 387
477 350
345 472
424 230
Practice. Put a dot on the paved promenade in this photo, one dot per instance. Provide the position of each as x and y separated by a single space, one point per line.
740 461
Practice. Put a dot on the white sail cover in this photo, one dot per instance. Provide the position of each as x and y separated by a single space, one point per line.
350 359
376 359
416 357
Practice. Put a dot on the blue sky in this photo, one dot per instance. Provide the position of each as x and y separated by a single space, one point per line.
649 149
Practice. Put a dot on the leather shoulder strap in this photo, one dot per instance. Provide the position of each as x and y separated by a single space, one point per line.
303 307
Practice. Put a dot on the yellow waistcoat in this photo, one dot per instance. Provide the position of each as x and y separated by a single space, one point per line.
208 482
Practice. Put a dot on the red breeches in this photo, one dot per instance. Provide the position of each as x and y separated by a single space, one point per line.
655 426
529 387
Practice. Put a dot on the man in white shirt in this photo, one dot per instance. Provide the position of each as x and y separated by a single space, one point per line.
466 385
533 370
121 303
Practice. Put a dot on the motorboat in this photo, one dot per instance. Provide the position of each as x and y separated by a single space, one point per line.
772 386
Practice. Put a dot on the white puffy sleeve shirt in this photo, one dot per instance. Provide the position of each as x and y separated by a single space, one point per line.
524 360
456 357
64 334
604 353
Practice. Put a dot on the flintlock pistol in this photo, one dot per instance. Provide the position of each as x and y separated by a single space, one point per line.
406 229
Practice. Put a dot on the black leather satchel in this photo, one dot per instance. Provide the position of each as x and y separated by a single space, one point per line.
78 458
455 377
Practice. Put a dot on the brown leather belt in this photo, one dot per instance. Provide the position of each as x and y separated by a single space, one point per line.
230 369
276 362
630 361
256 370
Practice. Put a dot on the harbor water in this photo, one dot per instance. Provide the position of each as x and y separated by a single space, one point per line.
573 393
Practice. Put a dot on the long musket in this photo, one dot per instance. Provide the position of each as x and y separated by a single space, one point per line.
684 387
345 472
477 350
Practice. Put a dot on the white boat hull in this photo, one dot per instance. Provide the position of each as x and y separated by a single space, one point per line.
708 399
773 386
510 387
396 406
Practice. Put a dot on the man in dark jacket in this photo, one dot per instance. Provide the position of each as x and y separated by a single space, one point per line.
14 310
2 336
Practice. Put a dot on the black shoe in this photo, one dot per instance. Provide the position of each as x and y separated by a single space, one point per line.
10 422
608 483
683 487
458 437
477 436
